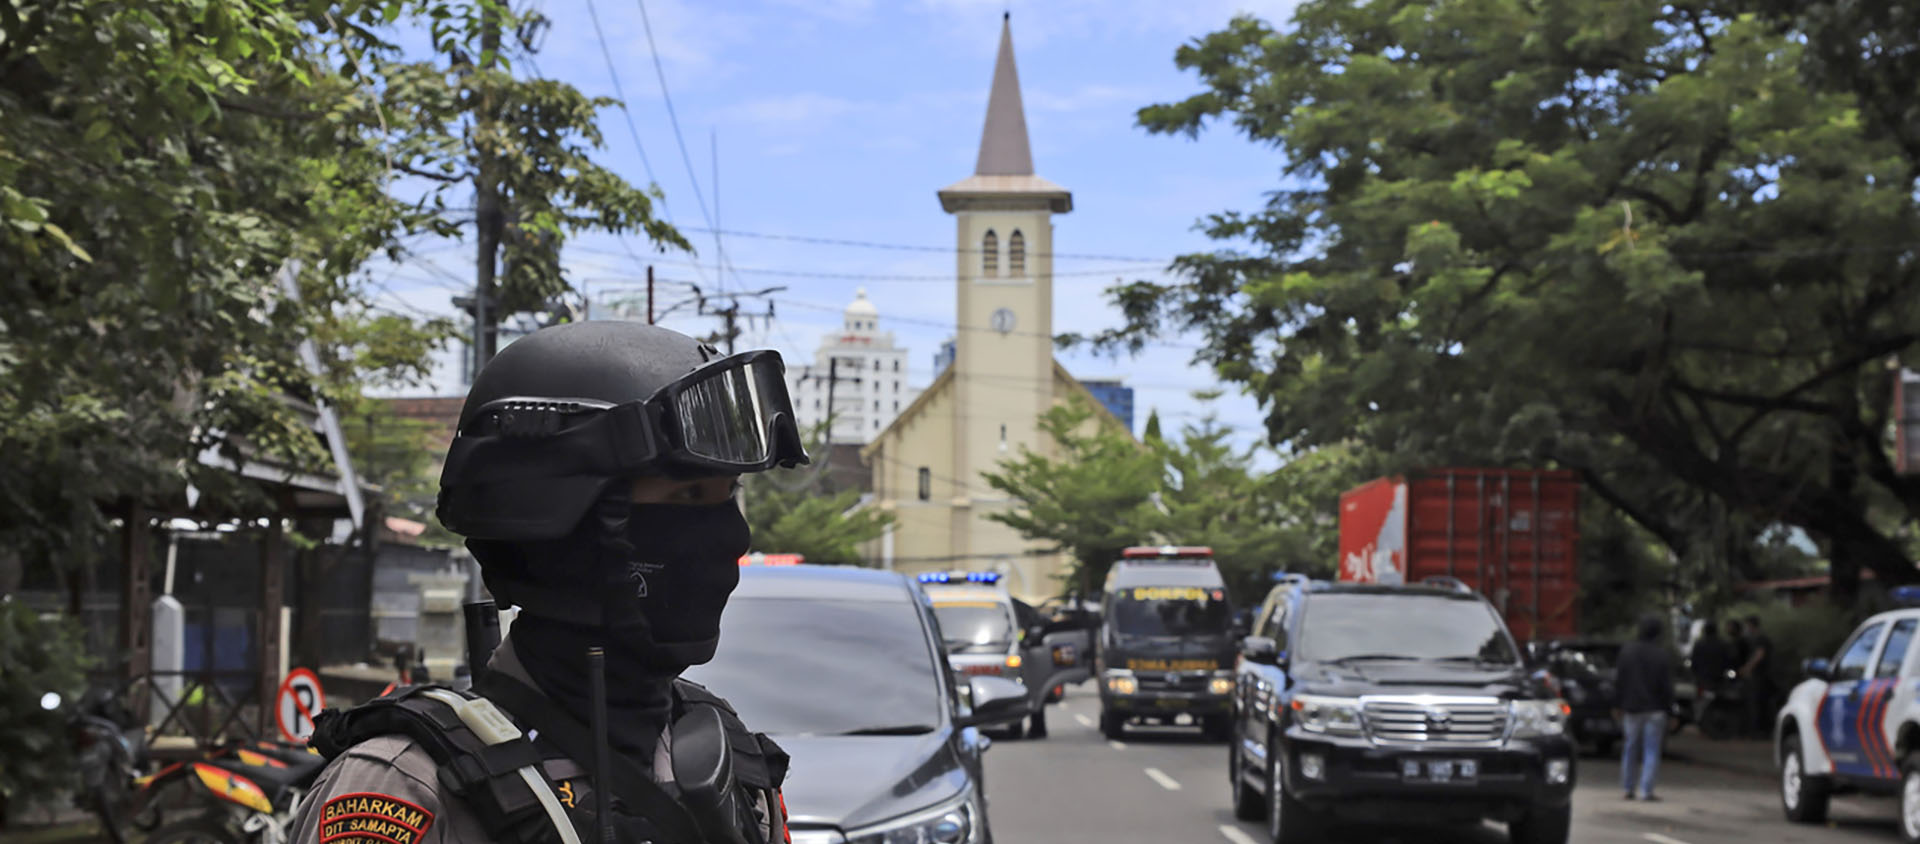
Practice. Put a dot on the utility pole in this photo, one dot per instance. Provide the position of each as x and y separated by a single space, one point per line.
833 380
489 217
649 294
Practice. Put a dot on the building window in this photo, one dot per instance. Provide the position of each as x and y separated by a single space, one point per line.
876 424
990 255
926 484
876 406
896 365
896 406
816 404
896 385
1016 254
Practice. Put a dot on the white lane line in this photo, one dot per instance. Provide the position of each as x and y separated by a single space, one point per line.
1657 838
1165 781
1084 720
1235 835
1117 745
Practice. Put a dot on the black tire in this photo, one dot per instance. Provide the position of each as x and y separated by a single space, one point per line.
1289 821
1113 725
1037 726
1910 799
200 829
1215 727
1248 803
1017 729
1543 825
1802 796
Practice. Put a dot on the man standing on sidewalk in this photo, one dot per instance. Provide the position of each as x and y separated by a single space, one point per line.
1757 671
1644 685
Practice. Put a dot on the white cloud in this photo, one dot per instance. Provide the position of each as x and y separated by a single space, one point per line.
790 111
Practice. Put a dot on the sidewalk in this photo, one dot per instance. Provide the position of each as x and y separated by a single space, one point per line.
1752 757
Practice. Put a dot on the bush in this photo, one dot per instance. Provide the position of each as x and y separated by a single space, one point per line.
37 655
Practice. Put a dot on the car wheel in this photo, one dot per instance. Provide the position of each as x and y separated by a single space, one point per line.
1289 821
1543 825
1248 803
1037 728
1113 725
1017 729
1804 797
1910 799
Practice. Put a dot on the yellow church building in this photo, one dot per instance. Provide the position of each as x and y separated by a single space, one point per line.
985 406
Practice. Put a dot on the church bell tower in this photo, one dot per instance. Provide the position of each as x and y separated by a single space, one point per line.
1004 372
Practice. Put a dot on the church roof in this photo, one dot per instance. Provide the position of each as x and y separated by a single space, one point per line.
1004 169
862 306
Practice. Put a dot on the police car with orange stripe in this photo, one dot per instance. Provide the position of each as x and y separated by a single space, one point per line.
1854 724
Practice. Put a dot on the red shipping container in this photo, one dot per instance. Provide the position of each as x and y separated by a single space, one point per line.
1511 534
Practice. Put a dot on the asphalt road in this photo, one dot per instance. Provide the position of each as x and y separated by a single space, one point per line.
1167 785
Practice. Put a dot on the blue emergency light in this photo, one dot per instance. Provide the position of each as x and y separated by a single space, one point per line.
971 577
1906 596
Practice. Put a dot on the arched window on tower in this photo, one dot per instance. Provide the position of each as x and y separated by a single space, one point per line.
990 255
1016 254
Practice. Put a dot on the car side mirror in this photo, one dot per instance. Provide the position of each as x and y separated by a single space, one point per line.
995 699
1260 650
1818 669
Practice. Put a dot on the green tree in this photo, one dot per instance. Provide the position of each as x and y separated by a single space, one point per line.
159 165
37 657
1091 498
1210 494
1663 244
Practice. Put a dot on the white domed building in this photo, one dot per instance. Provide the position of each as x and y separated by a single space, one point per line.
859 373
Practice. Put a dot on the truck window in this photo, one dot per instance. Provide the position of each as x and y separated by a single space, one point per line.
1276 628
1171 611
1895 653
1854 658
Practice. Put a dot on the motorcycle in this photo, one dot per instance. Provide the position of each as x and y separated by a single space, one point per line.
1722 712
249 791
109 749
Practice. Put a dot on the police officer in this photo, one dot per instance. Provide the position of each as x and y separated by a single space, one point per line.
595 474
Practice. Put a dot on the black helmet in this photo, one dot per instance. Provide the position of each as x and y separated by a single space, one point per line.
559 415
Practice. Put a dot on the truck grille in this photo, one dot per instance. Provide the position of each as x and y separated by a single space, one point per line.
1173 681
1434 720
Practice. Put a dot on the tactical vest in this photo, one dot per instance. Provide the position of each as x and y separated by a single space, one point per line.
731 775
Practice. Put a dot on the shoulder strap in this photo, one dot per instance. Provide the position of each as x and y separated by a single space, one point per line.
491 768
632 784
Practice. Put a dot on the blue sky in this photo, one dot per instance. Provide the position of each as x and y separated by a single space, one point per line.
841 118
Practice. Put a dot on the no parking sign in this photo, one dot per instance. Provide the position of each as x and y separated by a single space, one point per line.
299 700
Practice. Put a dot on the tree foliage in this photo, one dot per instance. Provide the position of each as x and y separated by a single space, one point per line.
161 163
37 656
1669 245
1091 498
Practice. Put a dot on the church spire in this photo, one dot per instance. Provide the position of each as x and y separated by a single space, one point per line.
1003 143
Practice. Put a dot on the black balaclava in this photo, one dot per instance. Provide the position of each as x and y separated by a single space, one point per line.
675 570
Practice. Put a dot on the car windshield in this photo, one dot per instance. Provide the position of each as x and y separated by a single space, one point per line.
1401 626
974 626
865 666
1171 611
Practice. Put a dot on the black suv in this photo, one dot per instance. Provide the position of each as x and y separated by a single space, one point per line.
1364 702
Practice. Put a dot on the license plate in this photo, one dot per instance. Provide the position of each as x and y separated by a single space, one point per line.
1170 703
1439 770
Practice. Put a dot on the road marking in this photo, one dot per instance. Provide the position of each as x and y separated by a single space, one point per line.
1165 781
1657 838
1236 836
1117 745
1084 720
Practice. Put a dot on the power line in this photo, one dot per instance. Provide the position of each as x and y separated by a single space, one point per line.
904 247
937 279
961 327
673 118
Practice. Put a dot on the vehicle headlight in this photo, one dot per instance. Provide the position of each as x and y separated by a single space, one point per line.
1122 684
1318 714
1539 718
954 822
1220 685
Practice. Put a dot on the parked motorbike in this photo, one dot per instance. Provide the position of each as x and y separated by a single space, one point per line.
247 793
1722 712
109 748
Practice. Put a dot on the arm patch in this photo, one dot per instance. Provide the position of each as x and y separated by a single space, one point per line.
369 818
